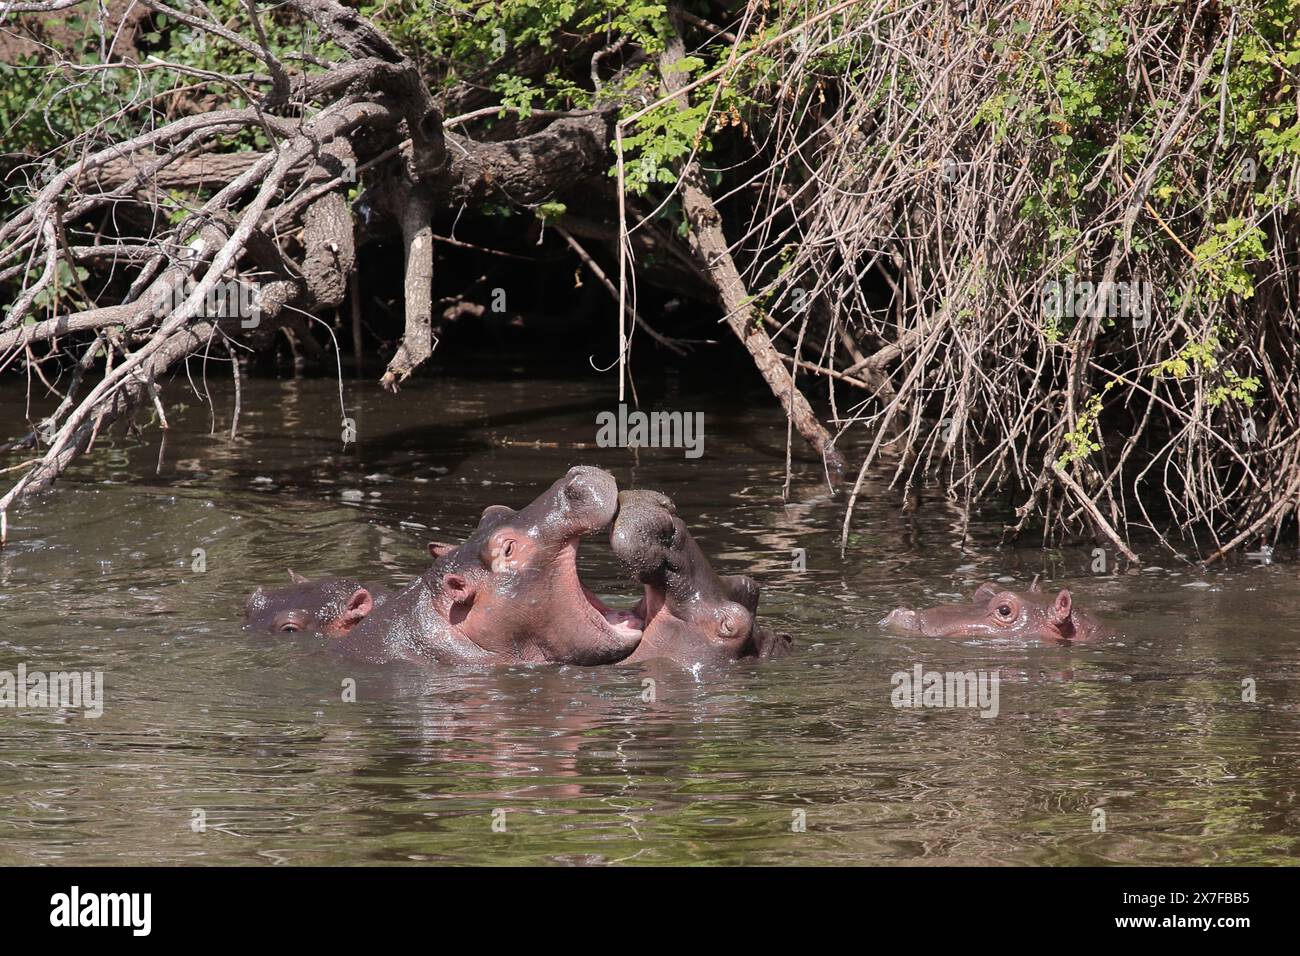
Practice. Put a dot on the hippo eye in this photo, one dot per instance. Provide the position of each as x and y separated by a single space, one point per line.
1004 610
288 627
509 549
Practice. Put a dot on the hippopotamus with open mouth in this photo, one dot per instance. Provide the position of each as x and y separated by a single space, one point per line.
690 615
330 607
994 611
511 592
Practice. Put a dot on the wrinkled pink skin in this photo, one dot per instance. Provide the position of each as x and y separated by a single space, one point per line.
994 612
691 615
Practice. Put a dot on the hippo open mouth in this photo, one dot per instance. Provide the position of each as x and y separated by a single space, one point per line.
514 584
625 626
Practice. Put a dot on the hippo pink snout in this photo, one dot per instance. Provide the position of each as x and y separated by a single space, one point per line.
901 620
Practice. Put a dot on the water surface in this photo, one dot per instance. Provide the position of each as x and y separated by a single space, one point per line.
803 760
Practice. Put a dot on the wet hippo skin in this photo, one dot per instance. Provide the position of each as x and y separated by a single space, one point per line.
994 611
690 615
330 607
511 592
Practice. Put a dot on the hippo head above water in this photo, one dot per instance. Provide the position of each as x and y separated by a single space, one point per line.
514 587
690 614
993 611
330 607
511 592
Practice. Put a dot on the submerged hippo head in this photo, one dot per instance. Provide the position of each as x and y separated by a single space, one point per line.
513 590
994 611
330 607
690 614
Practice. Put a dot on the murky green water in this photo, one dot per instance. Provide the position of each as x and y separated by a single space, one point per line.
1149 728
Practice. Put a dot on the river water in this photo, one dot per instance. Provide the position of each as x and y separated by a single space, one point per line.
216 746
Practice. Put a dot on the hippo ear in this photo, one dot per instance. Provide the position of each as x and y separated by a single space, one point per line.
359 605
457 587
1062 606
985 592
768 643
439 550
296 578
733 620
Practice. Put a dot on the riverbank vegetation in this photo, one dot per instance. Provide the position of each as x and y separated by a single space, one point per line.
1035 256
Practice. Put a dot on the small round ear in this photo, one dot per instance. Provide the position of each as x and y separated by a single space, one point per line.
438 550
733 620
296 578
985 592
457 587
1062 606
359 605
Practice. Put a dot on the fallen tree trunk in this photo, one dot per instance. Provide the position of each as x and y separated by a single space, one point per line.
165 317
711 247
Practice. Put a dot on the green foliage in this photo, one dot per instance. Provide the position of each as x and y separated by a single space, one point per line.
664 135
1224 259
1237 388
1080 441
1199 359
47 111
551 211
1194 357
64 288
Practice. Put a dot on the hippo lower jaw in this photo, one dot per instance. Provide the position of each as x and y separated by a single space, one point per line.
626 625
674 636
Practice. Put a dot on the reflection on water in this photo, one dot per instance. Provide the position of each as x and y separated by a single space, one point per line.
581 765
